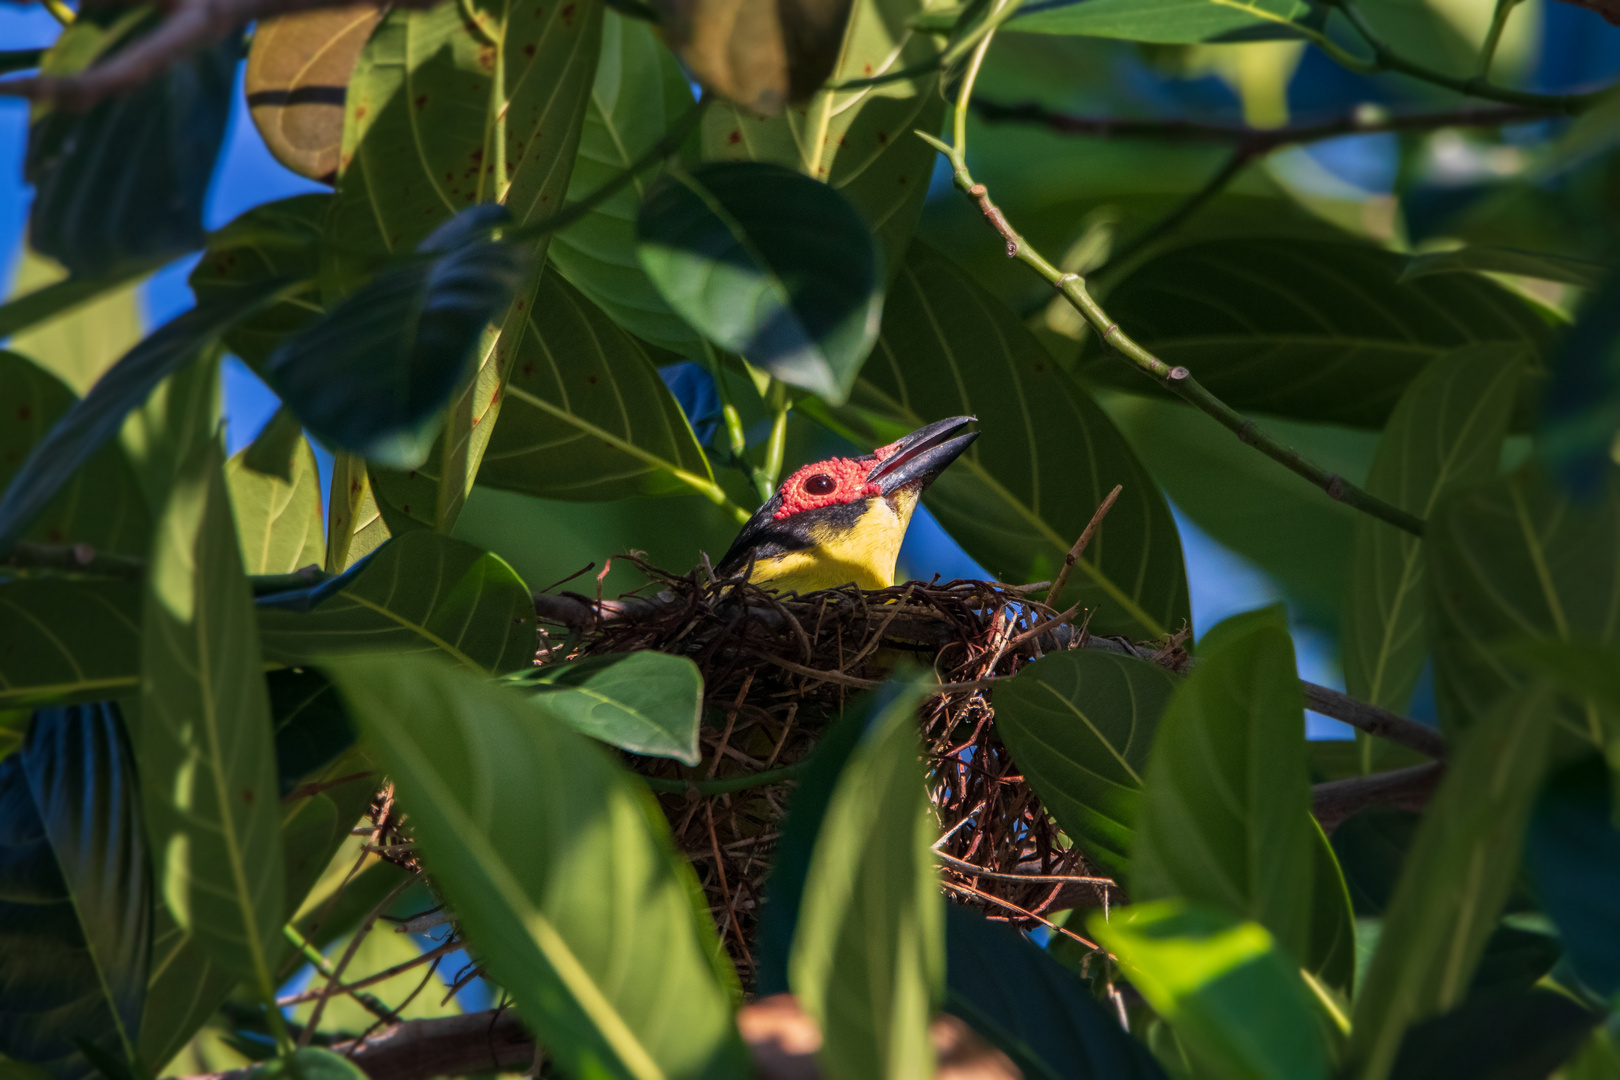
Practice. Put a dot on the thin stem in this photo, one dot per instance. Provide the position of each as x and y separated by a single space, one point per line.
1493 37
59 11
766 477
1178 379
729 784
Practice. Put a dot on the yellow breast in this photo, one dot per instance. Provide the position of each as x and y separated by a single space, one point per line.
863 554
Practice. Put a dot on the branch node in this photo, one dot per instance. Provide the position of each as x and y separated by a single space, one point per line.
1178 373
1246 432
1335 487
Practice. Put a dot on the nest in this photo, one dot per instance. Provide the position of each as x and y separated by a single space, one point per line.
778 670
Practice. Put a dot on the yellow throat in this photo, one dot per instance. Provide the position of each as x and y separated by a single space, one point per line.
863 554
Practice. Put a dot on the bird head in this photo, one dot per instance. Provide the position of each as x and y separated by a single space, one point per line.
840 521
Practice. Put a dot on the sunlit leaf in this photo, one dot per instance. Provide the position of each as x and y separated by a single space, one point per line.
1171 22
204 742
77 914
78 345
560 871
1446 432
278 521
354 525
767 264
643 702
1500 260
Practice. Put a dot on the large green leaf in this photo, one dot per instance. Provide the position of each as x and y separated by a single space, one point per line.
1045 459
204 743
1514 559
868 956
1572 853
1524 1034
125 181
1308 329
79 345
560 870
638 93
1170 22
1455 879
97 416
1499 260
1080 725
421 592
586 415
53 304
768 264
1446 432
77 915
1211 976
278 521
1032 1007
68 640
644 702
101 505
373 375
858 141
1580 418
281 239
1225 815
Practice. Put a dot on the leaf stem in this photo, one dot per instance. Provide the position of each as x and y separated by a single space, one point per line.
1493 37
59 11
727 785
1177 379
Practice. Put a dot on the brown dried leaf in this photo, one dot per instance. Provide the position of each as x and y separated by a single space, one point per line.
761 54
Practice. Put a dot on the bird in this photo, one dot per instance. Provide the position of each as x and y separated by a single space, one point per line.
840 521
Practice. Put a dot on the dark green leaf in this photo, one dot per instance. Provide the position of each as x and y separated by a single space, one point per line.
1572 852
1171 22
1079 725
1446 432
125 181
101 505
1033 1008
1045 458
859 142
1516 1036
560 870
1500 260
373 375
421 592
868 956
1225 817
1371 847
97 416
204 747
768 264
1210 975
1599 1059
309 1063
644 702
1456 877
1514 559
77 915
67 641
1307 329
1580 420
279 240
639 91
311 726
1330 950
278 521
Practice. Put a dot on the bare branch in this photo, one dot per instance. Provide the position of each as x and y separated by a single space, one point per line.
1407 789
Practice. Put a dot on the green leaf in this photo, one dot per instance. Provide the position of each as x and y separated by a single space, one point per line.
68 641
278 521
311 727
373 374
78 903
1599 1059
125 181
419 593
308 1063
97 416
1171 22
860 141
61 299
1446 432
1514 559
1572 853
1519 1036
560 870
78 346
1455 880
644 702
100 505
1032 1007
278 240
1225 816
1017 500
354 525
1330 949
1079 725
1308 329
1210 975
638 93
767 264
586 415
204 745
868 956
1580 419
1503 260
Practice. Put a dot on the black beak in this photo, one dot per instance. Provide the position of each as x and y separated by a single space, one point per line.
922 455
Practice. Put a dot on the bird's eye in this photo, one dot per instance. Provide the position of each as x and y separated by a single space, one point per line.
820 484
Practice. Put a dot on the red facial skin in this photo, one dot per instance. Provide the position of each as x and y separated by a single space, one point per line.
848 479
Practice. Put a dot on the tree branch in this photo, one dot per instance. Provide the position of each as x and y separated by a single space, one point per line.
1408 789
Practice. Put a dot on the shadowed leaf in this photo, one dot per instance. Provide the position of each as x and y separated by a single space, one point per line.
68 641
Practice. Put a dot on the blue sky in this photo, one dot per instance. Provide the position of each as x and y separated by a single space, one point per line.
1222 583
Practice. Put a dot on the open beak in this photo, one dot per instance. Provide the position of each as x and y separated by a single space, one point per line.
922 455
